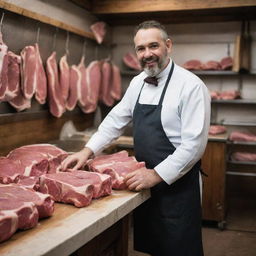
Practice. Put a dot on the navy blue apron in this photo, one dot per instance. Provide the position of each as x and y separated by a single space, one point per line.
169 223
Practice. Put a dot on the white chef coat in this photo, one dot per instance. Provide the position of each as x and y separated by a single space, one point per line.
185 118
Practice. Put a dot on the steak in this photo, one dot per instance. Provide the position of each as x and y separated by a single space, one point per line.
8 224
99 31
116 165
131 61
102 185
28 71
41 79
226 63
242 136
10 170
64 77
43 202
56 101
217 129
37 159
192 65
66 188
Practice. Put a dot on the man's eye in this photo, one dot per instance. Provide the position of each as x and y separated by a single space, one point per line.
154 46
139 49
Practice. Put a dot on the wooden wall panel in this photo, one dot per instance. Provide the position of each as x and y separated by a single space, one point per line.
43 129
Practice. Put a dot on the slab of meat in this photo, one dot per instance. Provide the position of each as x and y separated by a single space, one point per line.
29 71
99 31
41 80
31 182
193 65
66 188
116 89
12 77
242 136
217 129
230 95
215 95
211 65
226 63
131 61
93 79
43 202
116 165
38 159
56 101
20 103
64 77
8 224
10 170
74 87
243 156
84 99
106 84
102 185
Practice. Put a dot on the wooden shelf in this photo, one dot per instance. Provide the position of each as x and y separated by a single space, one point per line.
246 143
241 162
236 101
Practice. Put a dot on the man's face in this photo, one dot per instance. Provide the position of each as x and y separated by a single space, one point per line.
152 50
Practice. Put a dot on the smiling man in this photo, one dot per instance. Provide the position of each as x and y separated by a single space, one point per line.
170 110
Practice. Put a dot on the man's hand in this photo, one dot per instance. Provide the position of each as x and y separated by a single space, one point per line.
77 159
142 178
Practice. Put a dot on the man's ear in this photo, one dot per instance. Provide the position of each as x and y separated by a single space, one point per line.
169 44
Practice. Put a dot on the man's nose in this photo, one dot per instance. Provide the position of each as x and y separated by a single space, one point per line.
147 53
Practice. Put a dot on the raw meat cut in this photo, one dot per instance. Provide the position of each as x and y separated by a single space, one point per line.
64 77
28 71
10 170
3 68
215 95
37 159
211 65
131 61
106 84
31 182
74 87
217 129
26 211
43 202
41 80
99 31
243 156
20 103
242 136
116 165
93 82
226 63
8 224
116 90
102 185
13 88
66 188
192 65
56 101
230 95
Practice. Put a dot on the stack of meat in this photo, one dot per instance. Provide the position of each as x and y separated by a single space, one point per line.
217 129
238 136
225 95
224 64
31 180
61 86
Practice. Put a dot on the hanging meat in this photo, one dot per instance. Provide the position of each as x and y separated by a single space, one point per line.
116 89
99 31
56 102
131 61
41 80
64 77
74 87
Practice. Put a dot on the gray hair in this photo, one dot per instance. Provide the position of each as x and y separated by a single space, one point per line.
152 24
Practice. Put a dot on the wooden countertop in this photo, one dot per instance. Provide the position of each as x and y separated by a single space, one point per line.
70 227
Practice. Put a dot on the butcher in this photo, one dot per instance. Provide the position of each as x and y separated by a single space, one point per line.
170 110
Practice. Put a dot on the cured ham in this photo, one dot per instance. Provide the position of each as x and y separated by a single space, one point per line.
64 77
99 31
131 61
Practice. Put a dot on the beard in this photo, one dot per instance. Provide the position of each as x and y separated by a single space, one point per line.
156 69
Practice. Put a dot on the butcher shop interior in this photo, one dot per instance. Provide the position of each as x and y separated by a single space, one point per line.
64 65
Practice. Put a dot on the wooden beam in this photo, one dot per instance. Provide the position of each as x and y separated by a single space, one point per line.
145 6
36 16
86 4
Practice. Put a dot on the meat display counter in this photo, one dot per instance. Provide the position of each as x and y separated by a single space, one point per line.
71 229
